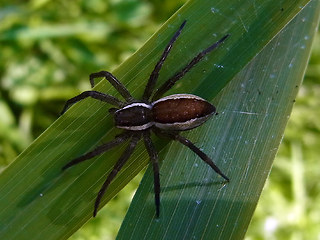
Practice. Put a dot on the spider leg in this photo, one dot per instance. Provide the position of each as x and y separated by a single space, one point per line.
171 81
155 164
117 167
155 73
96 95
196 150
114 82
99 150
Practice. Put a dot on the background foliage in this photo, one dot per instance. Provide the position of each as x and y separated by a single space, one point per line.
46 55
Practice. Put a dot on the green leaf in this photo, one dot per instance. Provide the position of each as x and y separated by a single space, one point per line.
38 201
243 140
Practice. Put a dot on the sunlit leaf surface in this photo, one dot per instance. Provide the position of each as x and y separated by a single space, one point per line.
243 140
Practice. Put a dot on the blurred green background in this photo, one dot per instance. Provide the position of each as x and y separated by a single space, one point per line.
48 49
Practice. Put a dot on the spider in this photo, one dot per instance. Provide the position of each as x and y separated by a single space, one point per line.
165 116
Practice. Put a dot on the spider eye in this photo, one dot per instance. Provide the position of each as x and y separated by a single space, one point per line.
113 110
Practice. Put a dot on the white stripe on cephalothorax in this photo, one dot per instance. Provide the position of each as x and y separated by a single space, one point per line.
138 104
137 128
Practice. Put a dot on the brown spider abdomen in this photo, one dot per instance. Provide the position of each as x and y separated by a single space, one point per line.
181 112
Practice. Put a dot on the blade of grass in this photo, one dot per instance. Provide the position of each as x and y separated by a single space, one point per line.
243 140
39 201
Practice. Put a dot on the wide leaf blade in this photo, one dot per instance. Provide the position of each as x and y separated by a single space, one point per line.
243 140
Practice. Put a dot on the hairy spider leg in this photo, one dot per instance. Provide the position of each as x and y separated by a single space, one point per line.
93 94
155 73
117 167
195 149
114 82
171 81
155 164
99 150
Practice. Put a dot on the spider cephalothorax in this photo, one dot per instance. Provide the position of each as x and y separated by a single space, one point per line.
166 117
